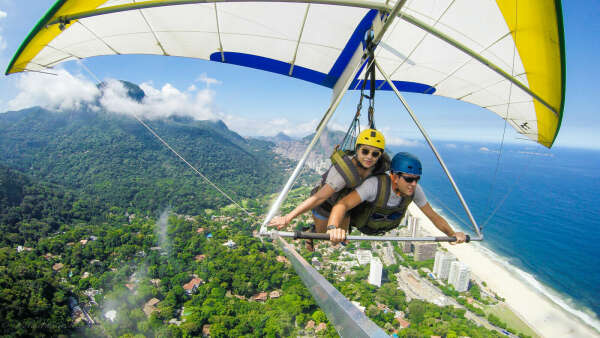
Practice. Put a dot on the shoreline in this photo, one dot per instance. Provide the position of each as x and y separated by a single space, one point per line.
542 311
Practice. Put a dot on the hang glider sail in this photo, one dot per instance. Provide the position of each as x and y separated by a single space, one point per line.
506 56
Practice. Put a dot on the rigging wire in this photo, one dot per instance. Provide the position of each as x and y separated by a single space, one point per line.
511 189
190 165
503 138
444 206
181 157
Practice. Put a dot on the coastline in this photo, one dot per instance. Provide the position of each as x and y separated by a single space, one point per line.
540 312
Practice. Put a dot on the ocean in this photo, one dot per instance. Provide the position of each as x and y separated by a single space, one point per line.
539 209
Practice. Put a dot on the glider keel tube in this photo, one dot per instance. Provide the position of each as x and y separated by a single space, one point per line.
347 319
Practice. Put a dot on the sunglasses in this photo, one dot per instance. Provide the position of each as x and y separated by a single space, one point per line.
409 179
374 153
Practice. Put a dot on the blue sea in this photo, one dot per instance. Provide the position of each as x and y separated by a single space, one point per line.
544 207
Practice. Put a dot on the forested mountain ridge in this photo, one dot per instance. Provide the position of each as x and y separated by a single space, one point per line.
31 210
115 160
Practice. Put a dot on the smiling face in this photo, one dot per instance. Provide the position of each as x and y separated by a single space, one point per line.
365 155
401 186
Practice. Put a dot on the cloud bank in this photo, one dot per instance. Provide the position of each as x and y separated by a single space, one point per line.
61 92
67 91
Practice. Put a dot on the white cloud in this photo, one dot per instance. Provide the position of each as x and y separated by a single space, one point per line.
536 153
159 103
2 40
451 146
269 127
484 149
67 92
64 91
208 81
399 141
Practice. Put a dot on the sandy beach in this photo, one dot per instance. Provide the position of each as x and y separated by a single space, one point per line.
542 314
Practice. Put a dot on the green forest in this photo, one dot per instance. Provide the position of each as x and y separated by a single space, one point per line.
104 232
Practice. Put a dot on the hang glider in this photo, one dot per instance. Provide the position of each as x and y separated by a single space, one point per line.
506 56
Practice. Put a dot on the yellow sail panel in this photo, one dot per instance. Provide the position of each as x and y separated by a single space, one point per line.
537 32
42 35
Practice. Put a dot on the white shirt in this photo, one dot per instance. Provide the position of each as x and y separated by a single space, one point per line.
368 192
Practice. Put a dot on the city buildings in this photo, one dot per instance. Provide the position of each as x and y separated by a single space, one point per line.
459 276
441 265
424 251
363 256
375 272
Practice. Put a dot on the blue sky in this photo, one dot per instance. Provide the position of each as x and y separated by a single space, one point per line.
258 103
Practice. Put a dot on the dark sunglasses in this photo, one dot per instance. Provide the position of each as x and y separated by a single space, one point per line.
374 153
409 179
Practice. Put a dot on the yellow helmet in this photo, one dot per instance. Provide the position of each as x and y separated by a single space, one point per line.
371 137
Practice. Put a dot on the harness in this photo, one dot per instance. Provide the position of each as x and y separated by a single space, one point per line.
376 218
342 161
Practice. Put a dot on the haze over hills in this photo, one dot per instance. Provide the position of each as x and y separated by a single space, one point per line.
293 149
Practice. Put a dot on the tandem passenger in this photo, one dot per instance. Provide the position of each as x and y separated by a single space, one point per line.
386 198
349 169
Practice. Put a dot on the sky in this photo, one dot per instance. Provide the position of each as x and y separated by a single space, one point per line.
254 103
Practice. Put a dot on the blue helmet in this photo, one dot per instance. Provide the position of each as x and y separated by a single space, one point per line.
406 163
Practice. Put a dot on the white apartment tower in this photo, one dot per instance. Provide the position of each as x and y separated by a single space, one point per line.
441 265
375 272
363 256
413 226
460 274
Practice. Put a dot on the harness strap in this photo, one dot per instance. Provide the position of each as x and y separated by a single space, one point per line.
346 168
383 189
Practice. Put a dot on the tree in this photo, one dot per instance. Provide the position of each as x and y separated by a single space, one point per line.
319 317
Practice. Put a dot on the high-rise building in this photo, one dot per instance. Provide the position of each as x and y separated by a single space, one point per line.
424 251
459 276
363 256
413 225
405 219
441 265
375 272
407 247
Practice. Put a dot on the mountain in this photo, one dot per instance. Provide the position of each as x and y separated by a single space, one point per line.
318 160
115 160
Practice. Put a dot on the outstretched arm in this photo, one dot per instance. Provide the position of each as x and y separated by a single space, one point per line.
441 223
319 197
337 215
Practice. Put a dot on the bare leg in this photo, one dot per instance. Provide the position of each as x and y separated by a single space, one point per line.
320 225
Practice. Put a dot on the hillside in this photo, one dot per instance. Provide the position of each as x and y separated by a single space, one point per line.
113 159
